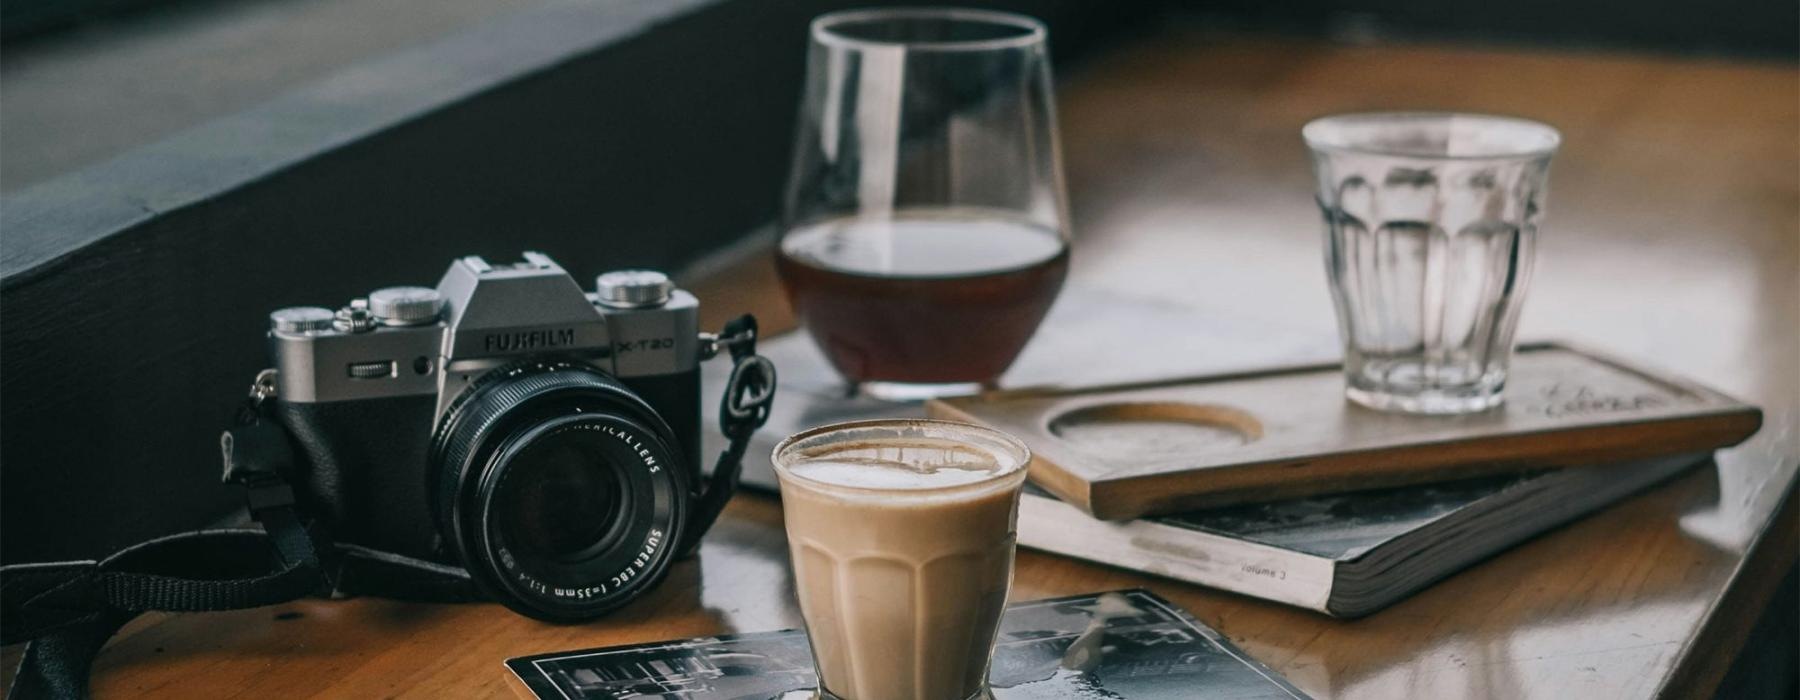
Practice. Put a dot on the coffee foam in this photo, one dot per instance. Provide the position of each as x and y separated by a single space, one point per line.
901 536
908 464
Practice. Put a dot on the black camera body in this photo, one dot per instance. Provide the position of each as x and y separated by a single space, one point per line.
544 438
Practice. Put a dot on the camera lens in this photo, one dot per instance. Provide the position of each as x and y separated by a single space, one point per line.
561 501
560 490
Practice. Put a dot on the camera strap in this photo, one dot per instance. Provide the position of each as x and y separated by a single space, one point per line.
749 393
67 610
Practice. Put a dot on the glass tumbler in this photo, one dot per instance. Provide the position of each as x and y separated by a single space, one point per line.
1430 224
902 534
924 232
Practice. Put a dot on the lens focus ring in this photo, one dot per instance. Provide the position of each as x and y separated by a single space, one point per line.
520 459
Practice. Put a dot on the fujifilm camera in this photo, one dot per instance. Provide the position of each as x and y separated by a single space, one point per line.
542 437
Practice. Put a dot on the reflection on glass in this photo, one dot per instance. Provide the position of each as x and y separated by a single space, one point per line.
1431 220
924 231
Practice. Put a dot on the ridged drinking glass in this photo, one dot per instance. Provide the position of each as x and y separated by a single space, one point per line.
902 583
1431 220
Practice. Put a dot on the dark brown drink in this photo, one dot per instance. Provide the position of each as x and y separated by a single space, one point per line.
922 300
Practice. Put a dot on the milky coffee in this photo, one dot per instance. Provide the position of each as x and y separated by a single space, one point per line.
902 537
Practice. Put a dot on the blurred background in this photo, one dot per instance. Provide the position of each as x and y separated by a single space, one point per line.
85 80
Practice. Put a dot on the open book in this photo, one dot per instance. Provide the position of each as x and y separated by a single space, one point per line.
1348 554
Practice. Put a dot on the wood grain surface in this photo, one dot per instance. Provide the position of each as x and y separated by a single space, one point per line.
1671 235
1164 447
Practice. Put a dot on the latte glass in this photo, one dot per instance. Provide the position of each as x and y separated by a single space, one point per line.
1431 220
902 534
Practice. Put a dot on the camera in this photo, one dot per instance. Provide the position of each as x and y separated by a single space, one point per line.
543 438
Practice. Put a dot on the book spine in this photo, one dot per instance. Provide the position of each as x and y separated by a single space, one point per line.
1198 557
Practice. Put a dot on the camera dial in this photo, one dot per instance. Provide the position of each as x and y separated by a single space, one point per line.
406 306
300 319
633 289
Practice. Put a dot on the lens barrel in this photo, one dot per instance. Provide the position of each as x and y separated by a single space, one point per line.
561 491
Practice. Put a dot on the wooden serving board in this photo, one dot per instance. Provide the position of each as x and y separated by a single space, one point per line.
1125 451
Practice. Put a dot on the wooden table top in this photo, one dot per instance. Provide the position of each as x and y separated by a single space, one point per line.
1671 238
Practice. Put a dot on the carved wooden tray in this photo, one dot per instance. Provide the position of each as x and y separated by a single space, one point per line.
1130 450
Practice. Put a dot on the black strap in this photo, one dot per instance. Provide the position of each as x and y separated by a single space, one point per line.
67 610
749 393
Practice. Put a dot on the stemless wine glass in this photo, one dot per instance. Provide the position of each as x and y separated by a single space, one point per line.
924 226
1430 219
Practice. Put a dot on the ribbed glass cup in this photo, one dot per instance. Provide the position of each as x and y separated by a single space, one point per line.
1430 224
902 585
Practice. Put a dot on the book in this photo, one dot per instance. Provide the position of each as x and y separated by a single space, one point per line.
1347 554
1179 444
1128 645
